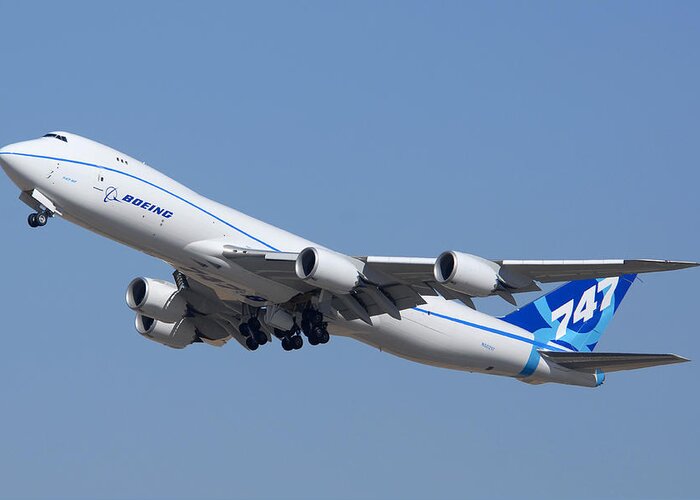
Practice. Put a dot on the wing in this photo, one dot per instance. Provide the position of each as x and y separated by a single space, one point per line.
549 271
414 269
386 294
391 284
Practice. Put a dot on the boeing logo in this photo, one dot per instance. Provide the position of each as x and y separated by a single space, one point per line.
111 194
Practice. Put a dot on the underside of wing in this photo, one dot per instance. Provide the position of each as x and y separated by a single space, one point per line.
376 293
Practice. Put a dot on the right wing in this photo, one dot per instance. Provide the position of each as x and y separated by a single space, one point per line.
420 270
550 271
392 284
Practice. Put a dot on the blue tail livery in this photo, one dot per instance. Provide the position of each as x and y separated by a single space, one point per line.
575 314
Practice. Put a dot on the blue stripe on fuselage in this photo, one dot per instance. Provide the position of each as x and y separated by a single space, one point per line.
490 330
532 360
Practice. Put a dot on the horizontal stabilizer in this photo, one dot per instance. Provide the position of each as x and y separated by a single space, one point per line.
609 361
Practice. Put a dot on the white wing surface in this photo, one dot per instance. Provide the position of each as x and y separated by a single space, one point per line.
403 280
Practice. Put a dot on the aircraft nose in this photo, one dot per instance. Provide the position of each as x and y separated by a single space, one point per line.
4 152
11 161
18 163
6 156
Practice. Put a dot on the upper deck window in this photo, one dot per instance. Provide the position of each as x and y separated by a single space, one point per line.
56 136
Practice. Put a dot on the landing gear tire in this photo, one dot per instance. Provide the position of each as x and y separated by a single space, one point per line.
287 344
31 220
244 329
324 338
260 337
251 343
297 342
254 324
41 219
313 340
316 318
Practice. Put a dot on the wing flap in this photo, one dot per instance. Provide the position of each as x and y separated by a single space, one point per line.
610 361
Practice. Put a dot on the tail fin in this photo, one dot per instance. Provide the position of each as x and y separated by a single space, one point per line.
575 314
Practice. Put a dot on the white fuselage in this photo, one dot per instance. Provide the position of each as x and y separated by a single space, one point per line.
117 196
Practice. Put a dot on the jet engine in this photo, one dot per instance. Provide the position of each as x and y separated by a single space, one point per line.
156 299
176 335
467 273
327 269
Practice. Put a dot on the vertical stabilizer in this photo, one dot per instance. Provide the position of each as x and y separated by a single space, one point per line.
575 314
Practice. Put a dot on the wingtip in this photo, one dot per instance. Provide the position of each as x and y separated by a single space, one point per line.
683 264
681 359
671 265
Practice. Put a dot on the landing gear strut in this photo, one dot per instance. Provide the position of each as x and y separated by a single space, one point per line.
38 219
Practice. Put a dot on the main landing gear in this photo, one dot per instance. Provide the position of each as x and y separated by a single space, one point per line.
254 336
39 219
312 326
291 340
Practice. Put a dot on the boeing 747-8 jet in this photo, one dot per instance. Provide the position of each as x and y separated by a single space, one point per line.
236 277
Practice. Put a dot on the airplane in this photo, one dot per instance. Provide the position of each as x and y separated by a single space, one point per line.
239 278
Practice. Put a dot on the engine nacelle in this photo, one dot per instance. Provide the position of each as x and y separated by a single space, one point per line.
466 273
327 269
176 335
156 299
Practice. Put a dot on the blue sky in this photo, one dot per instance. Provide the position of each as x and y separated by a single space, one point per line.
509 130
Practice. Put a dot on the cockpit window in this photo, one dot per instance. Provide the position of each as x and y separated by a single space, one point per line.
56 136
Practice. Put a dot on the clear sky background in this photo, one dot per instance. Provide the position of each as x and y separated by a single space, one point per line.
509 130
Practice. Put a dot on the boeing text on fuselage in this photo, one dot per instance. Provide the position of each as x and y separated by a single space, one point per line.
111 194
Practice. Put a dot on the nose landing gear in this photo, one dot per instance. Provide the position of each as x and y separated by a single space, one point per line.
38 219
